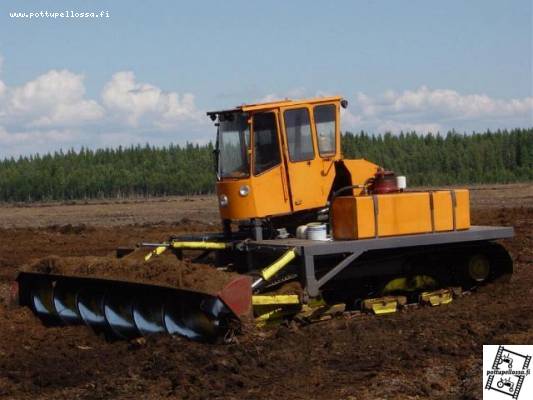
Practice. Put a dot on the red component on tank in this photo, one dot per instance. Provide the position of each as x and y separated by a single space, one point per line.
384 182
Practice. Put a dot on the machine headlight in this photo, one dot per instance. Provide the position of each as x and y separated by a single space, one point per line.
244 190
223 200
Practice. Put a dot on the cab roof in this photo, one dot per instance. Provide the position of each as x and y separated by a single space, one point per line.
276 104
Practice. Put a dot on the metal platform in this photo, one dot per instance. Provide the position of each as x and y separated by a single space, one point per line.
352 249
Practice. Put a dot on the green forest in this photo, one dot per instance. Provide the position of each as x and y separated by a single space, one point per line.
488 157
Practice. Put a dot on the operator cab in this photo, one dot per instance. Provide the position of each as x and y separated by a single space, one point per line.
276 158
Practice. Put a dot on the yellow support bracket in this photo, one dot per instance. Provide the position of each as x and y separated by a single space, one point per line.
437 298
264 300
384 305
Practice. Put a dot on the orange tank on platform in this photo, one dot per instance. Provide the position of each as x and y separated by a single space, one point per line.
368 216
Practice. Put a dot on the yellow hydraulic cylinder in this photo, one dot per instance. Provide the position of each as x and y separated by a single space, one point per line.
278 265
199 245
186 245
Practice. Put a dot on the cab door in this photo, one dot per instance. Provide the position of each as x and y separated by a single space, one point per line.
269 179
310 175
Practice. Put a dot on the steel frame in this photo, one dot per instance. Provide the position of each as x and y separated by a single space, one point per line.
352 249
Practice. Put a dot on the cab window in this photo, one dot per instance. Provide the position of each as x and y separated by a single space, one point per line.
266 147
233 146
325 123
299 138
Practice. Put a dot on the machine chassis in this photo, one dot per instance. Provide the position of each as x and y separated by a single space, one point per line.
352 249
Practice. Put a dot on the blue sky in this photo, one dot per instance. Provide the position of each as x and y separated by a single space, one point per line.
150 70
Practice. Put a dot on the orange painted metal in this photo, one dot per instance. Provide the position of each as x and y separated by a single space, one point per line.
359 217
266 196
290 186
293 186
360 171
443 210
310 180
289 103
462 209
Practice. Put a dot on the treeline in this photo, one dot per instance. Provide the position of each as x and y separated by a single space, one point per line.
490 157
108 173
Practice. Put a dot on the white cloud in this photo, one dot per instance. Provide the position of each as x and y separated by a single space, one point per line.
349 119
45 113
294 93
134 102
34 137
427 110
268 98
453 104
53 111
55 98
31 141
395 126
431 110
2 93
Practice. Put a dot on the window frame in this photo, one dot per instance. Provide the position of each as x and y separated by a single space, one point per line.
312 134
244 152
276 120
335 120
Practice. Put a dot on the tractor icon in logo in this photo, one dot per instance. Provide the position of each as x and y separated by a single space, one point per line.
506 358
506 382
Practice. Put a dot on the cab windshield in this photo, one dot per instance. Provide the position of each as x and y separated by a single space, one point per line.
234 146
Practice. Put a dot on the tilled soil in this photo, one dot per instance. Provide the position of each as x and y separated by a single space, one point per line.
433 353
164 270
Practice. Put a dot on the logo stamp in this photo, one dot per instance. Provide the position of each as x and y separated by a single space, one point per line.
507 375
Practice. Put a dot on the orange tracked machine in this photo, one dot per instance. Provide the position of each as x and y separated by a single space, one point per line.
306 230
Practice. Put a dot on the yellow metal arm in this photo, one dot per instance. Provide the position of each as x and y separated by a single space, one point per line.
278 265
199 245
186 245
